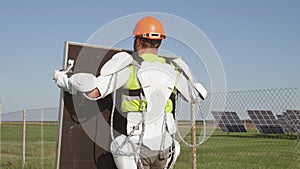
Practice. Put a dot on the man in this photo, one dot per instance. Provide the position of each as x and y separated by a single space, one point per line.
148 82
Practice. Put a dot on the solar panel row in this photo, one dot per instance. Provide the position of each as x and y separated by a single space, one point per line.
228 121
292 118
285 123
264 121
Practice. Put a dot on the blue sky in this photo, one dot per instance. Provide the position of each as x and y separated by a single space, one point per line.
257 41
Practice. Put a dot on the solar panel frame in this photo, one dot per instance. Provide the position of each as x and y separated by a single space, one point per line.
228 121
294 116
265 122
285 122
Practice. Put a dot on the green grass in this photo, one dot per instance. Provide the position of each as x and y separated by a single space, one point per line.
244 150
222 150
40 146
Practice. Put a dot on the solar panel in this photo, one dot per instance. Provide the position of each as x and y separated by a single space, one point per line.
294 116
228 121
265 122
285 122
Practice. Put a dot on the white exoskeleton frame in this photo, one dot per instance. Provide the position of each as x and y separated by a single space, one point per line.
157 81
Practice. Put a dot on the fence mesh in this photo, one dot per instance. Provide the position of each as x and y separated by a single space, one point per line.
241 150
40 147
220 150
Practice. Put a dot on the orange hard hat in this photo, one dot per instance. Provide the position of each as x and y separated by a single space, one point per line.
150 28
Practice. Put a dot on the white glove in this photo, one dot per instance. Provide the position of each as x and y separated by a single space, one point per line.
58 73
62 81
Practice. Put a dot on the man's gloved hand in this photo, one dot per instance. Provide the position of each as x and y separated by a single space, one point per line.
62 81
57 73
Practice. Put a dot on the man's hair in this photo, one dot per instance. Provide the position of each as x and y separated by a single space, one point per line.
149 43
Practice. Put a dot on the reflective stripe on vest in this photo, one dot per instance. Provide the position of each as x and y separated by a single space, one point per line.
133 102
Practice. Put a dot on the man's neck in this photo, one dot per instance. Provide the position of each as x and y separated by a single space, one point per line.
147 50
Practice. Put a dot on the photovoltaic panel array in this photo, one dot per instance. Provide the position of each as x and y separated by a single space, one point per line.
265 122
228 121
285 122
294 116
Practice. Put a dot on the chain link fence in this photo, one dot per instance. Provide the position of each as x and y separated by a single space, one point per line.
38 148
215 150
240 150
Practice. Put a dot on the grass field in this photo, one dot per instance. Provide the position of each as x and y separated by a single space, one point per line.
222 150
245 150
40 146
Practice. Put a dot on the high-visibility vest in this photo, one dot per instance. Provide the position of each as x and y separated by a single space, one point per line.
130 98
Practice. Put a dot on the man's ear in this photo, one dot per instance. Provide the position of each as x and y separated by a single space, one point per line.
138 43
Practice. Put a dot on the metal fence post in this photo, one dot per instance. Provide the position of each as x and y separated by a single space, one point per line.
193 136
0 114
42 138
0 125
24 137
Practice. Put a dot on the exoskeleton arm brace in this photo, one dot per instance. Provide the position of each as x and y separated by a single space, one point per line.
113 75
185 82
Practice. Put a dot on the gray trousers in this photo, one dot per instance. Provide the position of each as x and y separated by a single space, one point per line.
152 159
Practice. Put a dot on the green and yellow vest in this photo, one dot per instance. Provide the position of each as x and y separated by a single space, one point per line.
131 100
